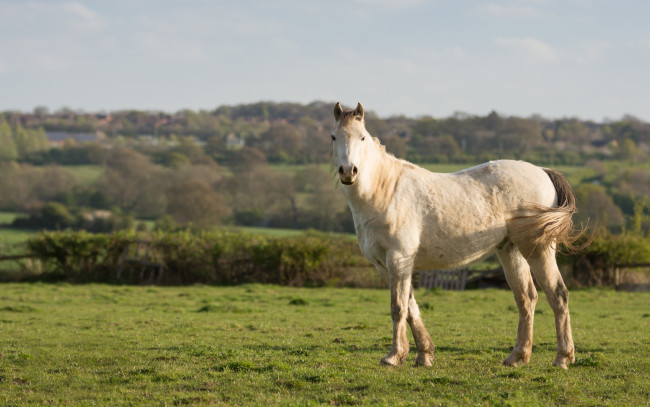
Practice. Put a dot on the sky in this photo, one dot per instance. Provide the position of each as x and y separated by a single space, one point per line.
556 58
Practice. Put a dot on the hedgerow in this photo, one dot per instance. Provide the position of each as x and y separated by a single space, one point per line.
597 264
309 259
198 257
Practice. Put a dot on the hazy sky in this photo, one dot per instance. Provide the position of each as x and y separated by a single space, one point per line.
557 58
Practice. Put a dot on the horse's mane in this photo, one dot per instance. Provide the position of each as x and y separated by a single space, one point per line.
381 147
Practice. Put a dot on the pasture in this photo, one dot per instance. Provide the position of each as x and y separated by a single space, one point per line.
86 174
270 345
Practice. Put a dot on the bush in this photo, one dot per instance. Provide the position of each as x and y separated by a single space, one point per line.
201 257
234 258
597 264
80 256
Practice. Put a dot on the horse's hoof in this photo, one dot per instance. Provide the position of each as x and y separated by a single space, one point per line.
561 361
391 360
424 359
516 359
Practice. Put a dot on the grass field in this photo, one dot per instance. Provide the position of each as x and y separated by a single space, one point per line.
268 345
86 174
11 237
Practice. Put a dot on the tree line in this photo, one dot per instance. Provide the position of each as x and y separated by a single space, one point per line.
226 166
296 133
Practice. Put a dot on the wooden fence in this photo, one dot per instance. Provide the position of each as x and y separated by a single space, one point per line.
139 258
444 279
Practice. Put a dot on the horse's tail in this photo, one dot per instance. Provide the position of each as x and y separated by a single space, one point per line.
544 225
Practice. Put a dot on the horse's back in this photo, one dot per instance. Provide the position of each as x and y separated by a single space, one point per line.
471 216
512 183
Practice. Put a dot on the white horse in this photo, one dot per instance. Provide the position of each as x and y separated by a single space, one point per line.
409 218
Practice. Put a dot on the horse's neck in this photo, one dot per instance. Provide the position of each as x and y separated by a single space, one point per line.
375 188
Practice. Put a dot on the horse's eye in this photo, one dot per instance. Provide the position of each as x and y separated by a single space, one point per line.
333 138
363 138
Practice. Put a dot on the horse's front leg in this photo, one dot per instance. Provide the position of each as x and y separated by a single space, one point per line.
399 279
422 338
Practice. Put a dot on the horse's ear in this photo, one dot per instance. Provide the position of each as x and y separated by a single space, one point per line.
358 113
338 111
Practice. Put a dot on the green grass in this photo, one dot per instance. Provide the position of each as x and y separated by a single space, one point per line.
8 217
11 237
268 345
86 174
267 231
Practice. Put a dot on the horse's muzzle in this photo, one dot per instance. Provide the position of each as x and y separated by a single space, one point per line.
347 174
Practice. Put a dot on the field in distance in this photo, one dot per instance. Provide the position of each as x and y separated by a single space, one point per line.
269 345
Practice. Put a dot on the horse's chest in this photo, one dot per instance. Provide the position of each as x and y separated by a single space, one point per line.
369 242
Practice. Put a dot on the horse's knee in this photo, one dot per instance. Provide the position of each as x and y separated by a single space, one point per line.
398 312
527 300
561 292
560 296
532 295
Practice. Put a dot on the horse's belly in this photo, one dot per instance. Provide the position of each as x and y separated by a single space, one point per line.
449 251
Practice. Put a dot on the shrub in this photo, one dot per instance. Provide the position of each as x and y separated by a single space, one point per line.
80 256
202 257
597 264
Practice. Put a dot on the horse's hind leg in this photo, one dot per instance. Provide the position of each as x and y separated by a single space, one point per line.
422 338
521 282
547 274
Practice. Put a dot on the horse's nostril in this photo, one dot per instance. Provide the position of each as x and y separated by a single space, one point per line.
355 170
341 170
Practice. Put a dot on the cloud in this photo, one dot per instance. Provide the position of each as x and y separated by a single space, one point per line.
640 43
496 10
170 48
50 63
593 51
3 67
80 10
529 46
389 3
85 18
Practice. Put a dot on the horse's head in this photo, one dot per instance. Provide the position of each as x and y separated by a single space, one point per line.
350 142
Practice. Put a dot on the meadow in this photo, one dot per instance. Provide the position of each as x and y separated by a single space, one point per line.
270 345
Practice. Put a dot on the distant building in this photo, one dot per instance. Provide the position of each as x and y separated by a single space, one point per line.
148 139
103 119
58 138
234 141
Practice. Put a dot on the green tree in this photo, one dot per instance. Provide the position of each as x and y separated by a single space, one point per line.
197 203
164 223
29 141
56 216
595 206
8 151
175 159
396 145
628 150
246 158
281 143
